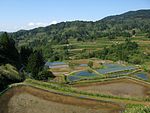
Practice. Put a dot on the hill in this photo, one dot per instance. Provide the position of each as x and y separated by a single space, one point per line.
111 26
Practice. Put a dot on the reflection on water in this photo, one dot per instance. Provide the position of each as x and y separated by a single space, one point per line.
81 75
56 64
142 75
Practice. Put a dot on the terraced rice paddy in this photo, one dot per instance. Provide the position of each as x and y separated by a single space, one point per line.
84 62
81 75
118 87
58 68
26 99
56 64
83 65
142 75
111 68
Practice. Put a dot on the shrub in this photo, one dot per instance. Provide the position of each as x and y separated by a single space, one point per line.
45 75
135 59
8 75
133 108
90 64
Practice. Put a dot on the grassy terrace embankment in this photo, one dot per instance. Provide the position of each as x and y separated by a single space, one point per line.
68 90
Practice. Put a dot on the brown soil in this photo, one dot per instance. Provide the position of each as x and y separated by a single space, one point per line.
26 99
120 87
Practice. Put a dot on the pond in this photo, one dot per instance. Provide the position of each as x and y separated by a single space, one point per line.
142 75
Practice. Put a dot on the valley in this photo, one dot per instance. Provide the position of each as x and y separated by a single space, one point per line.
78 67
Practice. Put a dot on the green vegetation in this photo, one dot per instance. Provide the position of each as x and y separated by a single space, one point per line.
10 62
14 65
61 88
8 75
35 63
137 108
121 51
45 75
90 64
8 52
127 24
124 39
81 38
25 52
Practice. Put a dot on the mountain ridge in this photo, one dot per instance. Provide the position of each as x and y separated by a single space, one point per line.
128 12
110 26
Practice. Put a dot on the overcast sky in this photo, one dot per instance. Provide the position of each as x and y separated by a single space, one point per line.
28 14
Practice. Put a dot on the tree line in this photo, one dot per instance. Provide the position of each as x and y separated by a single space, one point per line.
16 65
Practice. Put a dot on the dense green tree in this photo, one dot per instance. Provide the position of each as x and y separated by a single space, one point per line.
8 51
133 32
48 51
120 51
148 35
45 75
25 52
56 56
35 63
66 52
90 64
125 34
104 53
136 59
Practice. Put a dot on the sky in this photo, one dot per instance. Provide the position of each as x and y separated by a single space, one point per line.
28 14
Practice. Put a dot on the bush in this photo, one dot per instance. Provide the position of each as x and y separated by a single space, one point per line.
133 108
8 75
135 59
45 75
90 64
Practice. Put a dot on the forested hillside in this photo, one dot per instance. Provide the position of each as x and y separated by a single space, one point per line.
125 25
14 64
